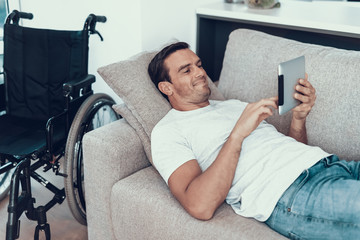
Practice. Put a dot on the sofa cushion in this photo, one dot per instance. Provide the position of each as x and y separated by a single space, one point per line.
144 195
124 111
249 73
130 80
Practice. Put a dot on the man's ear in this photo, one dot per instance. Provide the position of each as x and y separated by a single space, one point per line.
165 88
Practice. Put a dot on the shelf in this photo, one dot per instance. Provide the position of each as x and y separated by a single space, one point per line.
337 18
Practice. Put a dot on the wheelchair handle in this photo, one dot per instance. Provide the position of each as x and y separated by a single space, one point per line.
26 15
15 16
101 19
90 24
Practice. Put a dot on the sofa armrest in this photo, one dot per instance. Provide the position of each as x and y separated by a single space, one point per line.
111 153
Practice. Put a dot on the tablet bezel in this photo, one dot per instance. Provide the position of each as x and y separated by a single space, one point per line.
289 73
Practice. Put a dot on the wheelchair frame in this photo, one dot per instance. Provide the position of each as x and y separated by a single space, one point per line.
79 97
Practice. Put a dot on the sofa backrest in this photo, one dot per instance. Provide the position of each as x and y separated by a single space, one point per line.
249 73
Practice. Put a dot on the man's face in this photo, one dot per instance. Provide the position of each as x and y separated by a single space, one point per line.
188 78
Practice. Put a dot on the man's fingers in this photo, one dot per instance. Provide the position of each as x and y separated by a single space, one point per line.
307 95
305 82
302 98
268 102
303 90
265 110
261 108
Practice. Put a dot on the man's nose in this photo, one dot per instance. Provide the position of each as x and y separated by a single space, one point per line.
199 72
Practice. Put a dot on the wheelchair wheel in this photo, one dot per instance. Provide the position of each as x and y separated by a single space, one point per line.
5 181
95 112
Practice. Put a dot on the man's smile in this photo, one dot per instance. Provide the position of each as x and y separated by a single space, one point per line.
200 81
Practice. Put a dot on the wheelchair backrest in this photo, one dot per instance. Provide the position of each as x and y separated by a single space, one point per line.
36 64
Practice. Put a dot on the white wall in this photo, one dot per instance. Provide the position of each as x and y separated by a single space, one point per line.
166 19
132 25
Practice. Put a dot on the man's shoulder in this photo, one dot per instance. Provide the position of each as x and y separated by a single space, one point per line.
164 119
165 124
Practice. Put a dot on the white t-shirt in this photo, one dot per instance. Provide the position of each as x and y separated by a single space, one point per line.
269 161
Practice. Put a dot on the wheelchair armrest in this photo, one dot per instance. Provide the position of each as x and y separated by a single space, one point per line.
2 97
73 87
58 120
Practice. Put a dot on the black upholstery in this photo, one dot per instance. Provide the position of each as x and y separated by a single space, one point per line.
2 97
21 136
37 63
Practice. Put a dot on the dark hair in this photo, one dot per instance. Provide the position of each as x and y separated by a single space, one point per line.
157 70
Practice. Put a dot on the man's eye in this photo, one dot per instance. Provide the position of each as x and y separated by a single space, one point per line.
187 71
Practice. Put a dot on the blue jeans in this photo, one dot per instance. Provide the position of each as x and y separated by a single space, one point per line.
323 203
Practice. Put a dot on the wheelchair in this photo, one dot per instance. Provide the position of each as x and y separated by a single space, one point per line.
47 105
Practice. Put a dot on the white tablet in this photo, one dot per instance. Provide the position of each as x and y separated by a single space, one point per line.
289 73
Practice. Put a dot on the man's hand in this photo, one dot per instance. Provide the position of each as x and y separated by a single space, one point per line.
306 95
253 115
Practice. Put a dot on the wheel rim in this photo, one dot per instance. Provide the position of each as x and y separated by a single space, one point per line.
100 115
5 181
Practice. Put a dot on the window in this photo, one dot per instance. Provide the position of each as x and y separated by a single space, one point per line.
3 14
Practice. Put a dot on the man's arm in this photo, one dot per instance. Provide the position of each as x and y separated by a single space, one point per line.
307 98
201 193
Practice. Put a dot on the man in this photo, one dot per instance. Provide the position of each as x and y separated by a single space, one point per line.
211 151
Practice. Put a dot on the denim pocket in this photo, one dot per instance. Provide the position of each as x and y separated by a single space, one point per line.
304 178
334 161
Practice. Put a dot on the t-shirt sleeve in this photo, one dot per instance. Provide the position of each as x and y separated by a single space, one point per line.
169 150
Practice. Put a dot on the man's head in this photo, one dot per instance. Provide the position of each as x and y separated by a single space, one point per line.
178 74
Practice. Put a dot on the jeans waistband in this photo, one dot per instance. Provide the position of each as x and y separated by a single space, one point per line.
316 168
304 177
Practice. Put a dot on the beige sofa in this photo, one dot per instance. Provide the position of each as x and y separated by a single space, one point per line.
127 199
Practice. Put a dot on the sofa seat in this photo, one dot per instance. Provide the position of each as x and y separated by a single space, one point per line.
162 217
